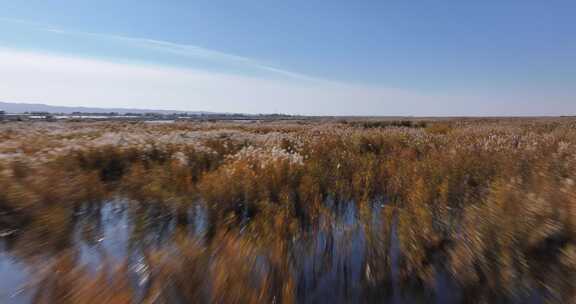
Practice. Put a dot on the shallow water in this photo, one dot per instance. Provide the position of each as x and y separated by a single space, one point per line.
350 257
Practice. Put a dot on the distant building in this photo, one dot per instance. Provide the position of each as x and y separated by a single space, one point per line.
14 117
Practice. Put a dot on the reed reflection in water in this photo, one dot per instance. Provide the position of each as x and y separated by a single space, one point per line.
135 252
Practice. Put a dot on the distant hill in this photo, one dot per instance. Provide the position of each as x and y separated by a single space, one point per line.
12 107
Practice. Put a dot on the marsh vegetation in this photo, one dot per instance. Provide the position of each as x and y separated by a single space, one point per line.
451 211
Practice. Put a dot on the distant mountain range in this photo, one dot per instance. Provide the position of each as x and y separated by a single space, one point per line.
12 107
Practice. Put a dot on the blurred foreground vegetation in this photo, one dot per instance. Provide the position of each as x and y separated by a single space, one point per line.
294 212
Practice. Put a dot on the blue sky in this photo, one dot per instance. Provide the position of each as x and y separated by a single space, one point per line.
306 57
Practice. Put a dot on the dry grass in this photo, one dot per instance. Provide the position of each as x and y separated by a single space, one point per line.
496 198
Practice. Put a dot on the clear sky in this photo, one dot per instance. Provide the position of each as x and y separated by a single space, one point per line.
302 57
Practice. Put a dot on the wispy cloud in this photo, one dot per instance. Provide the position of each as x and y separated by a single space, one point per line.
197 51
64 80
184 50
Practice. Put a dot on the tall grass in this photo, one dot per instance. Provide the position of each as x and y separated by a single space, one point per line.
495 200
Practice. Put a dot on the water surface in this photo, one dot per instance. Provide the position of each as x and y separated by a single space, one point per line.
353 255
